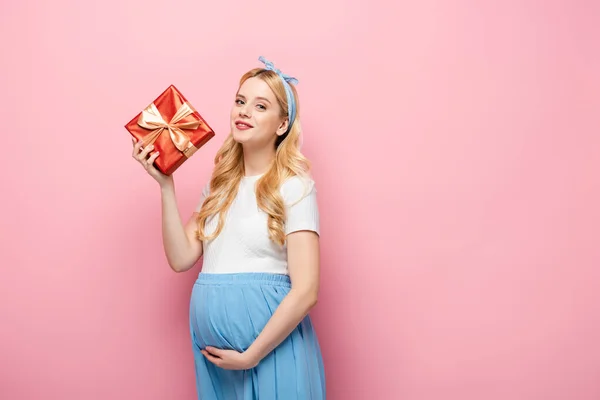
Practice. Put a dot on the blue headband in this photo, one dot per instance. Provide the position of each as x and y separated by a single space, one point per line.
286 79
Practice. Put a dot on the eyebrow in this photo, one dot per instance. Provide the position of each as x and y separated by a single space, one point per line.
259 98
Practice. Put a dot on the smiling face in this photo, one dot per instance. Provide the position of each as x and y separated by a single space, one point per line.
256 116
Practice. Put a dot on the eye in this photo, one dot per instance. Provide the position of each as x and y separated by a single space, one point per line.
239 102
261 107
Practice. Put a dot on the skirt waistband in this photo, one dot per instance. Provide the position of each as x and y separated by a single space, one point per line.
245 278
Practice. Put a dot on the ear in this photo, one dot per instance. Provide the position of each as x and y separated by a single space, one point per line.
282 127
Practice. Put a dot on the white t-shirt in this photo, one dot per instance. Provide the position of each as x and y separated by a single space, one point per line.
244 245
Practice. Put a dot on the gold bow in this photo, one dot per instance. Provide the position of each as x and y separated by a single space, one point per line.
151 118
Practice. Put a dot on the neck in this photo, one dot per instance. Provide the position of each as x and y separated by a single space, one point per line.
257 161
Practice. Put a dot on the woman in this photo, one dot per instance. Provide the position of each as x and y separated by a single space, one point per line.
257 226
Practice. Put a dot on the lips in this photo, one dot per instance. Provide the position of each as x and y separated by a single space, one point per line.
242 125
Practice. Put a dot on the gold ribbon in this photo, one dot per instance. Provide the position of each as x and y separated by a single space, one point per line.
151 118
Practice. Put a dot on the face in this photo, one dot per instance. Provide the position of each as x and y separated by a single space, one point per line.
256 115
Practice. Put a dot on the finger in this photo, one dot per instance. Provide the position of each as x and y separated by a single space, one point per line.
144 153
137 144
210 358
153 157
149 162
214 351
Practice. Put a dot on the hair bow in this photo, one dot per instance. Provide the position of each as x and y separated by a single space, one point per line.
286 79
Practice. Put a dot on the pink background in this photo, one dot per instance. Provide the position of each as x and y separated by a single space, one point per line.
456 151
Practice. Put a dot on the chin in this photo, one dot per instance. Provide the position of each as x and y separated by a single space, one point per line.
240 137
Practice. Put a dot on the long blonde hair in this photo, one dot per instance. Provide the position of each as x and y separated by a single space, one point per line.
229 169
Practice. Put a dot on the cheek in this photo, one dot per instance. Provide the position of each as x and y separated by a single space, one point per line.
268 121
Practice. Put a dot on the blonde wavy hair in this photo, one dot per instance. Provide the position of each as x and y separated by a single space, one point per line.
229 169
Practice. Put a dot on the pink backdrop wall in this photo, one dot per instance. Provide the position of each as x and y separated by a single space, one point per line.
456 152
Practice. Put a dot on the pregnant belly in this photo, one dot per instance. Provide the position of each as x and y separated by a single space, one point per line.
231 316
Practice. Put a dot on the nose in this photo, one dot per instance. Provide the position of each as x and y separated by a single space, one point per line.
244 111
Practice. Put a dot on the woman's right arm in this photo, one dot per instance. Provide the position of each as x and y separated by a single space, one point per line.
181 247
179 241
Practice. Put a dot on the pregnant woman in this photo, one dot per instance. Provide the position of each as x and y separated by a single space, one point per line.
257 226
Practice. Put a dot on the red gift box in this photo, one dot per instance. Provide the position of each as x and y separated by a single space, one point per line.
175 128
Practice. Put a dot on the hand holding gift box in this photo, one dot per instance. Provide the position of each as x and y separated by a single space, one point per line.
173 126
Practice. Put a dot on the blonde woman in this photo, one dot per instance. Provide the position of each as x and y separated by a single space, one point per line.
257 226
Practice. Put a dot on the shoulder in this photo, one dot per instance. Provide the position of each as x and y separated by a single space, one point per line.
204 194
206 189
297 187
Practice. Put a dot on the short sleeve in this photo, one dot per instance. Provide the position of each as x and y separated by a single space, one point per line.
300 197
204 195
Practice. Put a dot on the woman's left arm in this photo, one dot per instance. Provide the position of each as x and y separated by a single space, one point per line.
303 266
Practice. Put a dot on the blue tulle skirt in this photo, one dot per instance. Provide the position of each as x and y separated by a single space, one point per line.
228 311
